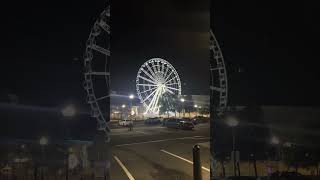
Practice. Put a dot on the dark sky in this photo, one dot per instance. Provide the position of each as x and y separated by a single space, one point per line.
41 40
173 30
275 45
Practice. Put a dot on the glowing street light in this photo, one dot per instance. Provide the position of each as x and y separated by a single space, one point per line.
233 122
183 100
196 106
69 111
123 106
131 96
275 140
287 144
43 141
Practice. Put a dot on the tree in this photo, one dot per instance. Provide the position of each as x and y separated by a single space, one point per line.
189 105
168 103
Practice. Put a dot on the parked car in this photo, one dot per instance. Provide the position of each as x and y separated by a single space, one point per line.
125 122
200 119
187 119
152 121
185 125
284 175
171 122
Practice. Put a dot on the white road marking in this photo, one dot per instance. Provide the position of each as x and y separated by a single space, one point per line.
142 132
124 168
118 134
155 141
179 157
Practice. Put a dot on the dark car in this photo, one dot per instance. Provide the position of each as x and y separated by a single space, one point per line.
185 125
284 175
187 119
200 119
152 121
171 122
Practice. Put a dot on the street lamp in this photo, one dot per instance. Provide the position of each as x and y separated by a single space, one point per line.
68 111
196 106
43 141
183 100
233 122
274 140
131 97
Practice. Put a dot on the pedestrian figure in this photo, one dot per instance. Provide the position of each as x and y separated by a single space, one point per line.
131 126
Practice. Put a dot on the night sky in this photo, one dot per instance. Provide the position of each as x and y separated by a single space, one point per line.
270 49
43 42
274 45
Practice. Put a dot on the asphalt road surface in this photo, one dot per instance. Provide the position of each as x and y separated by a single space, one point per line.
158 153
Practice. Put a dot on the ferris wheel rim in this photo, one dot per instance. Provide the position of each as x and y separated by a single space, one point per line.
221 87
94 100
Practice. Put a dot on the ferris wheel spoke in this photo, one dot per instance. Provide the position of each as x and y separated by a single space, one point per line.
167 70
159 66
168 76
217 89
157 99
173 88
154 67
171 92
147 85
100 49
162 70
153 99
148 90
170 80
101 98
147 79
151 71
148 97
171 84
104 26
149 75
100 73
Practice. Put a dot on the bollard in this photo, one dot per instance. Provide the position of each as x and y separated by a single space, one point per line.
196 163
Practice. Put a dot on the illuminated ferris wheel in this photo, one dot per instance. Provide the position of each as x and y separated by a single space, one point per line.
155 78
218 78
97 70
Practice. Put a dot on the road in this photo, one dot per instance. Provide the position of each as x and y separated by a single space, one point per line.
155 152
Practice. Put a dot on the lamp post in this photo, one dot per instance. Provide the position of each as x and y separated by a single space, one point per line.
196 106
276 142
68 152
123 106
43 142
131 97
182 101
67 112
233 122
